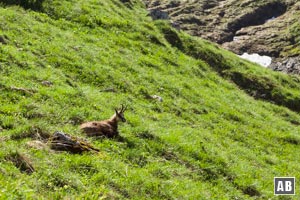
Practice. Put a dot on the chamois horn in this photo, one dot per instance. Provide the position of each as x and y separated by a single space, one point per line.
123 108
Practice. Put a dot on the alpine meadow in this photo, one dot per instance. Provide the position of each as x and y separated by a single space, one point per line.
201 123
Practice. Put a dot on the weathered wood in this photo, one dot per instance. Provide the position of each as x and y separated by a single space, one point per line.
63 142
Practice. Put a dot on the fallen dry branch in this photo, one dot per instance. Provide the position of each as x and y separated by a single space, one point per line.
24 90
63 142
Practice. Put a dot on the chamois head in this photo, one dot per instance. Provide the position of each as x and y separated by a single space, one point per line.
120 113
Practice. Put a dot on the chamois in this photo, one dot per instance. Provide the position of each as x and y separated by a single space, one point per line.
107 128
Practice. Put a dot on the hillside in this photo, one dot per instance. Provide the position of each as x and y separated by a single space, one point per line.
224 129
254 26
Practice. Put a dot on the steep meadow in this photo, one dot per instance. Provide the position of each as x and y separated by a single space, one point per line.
224 128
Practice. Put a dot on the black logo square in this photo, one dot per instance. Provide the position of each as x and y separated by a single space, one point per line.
284 185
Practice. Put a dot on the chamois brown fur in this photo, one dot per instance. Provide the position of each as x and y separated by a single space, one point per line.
107 128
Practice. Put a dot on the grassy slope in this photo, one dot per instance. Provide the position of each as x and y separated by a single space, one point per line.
207 139
294 50
259 83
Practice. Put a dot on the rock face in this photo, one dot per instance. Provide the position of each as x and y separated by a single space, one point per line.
158 14
266 27
289 65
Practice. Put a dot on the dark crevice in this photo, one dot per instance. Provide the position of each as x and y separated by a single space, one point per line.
208 4
255 18
127 3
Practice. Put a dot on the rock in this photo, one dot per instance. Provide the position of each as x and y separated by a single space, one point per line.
37 144
254 26
175 25
288 65
158 14
156 97
128 3
218 20
47 83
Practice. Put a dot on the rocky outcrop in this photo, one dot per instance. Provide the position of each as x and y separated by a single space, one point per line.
289 65
253 26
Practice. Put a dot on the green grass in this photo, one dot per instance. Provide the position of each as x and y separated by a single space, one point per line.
259 83
208 139
293 50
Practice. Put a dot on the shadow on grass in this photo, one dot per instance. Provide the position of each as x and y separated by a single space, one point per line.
36 5
22 162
